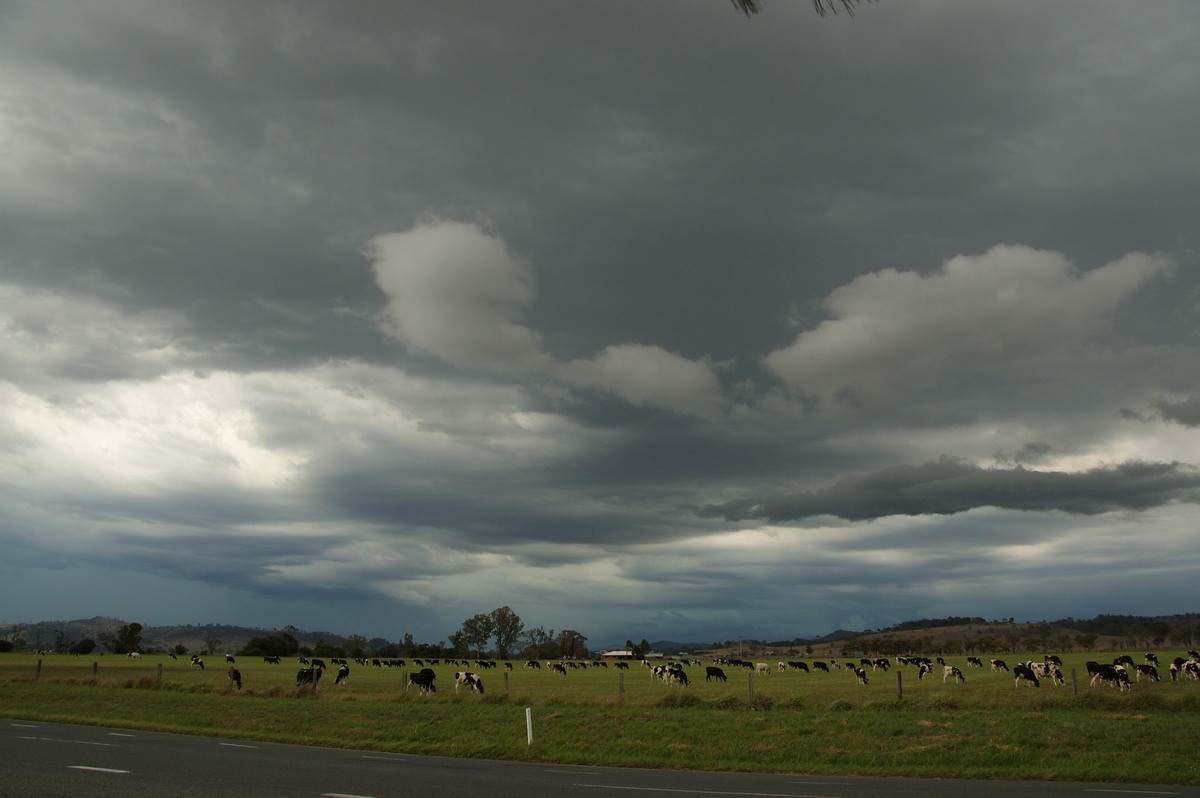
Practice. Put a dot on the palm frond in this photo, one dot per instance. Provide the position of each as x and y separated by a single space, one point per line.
823 7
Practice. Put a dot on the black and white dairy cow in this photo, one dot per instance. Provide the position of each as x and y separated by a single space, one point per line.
1023 673
424 679
469 680
308 676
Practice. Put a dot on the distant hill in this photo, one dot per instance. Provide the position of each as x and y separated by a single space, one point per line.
1162 632
195 638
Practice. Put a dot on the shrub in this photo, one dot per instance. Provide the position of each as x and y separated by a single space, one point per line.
761 702
680 698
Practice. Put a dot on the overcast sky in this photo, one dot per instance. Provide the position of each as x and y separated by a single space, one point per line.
645 319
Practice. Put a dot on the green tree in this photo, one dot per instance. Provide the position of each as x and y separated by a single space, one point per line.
355 646
210 646
506 628
539 643
571 644
323 649
640 650
1158 631
1087 640
83 647
477 631
128 639
280 644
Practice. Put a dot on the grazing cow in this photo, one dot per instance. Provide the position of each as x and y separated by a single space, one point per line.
781 666
308 676
229 660
134 655
820 666
469 680
925 669
763 668
424 679
558 667
235 677
713 672
197 662
271 660
1151 659
533 664
343 674
674 674
999 665
951 672
621 666
974 662
1022 672
1149 671
799 666
1113 676
860 674
318 663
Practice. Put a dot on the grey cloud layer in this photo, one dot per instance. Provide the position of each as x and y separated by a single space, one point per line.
951 486
410 306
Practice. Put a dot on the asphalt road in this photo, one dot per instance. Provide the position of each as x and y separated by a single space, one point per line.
51 760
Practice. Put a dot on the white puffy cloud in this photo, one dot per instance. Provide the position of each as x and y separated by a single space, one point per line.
650 376
894 333
458 293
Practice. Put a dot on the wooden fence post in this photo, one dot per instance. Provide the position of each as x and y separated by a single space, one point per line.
95 671
37 674
899 687
750 688
158 674
1074 683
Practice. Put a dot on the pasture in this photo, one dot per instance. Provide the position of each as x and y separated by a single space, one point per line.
815 722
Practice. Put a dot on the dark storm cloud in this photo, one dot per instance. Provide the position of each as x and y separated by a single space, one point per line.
1184 411
951 486
445 301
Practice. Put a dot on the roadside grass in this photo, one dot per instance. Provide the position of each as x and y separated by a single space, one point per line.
794 722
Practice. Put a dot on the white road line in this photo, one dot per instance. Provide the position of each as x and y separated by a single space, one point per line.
384 758
343 795
701 792
1135 792
77 742
22 725
120 734
237 745
95 770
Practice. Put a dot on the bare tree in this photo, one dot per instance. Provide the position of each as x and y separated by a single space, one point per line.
823 7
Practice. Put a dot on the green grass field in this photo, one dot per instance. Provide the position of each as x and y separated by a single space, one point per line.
794 722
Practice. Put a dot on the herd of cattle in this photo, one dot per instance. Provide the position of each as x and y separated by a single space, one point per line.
1115 674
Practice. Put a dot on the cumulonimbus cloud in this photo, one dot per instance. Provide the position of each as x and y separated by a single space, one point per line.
949 485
